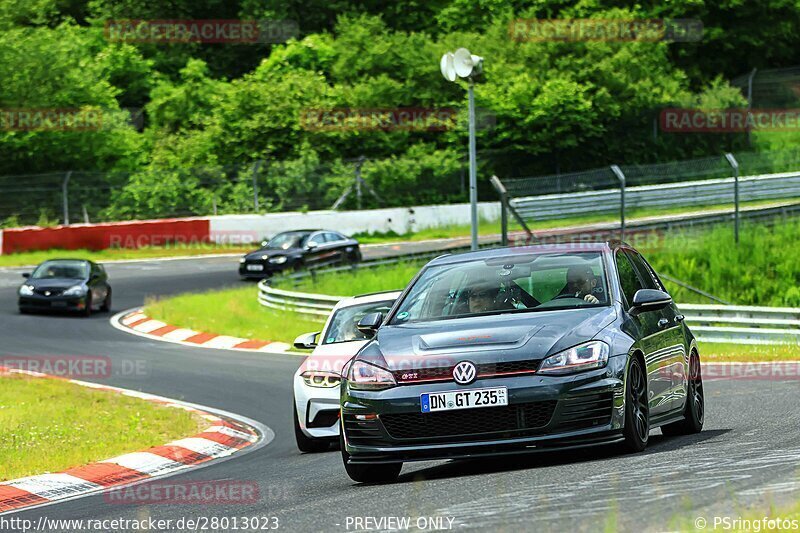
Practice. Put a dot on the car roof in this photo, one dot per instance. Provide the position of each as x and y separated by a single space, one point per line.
367 298
489 253
67 259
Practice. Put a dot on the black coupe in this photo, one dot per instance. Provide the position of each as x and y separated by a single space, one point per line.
66 285
517 350
293 250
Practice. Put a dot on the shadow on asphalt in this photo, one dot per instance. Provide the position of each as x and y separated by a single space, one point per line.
658 444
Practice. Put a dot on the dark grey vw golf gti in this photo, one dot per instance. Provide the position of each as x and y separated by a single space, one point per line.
517 350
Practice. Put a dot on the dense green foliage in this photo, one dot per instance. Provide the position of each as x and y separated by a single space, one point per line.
211 110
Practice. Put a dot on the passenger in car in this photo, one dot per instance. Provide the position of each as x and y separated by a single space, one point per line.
581 283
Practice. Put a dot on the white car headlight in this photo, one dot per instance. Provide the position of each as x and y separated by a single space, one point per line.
281 259
242 259
365 376
586 356
26 290
322 379
75 290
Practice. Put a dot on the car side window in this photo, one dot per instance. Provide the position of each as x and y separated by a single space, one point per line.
649 282
648 271
332 237
628 279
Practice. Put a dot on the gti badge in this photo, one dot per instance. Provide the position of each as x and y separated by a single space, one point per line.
464 373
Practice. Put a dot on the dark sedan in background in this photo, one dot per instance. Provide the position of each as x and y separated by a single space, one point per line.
294 250
66 285
517 350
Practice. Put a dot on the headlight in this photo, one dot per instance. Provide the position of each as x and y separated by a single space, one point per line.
278 260
75 290
26 290
242 259
364 376
325 380
587 356
264 257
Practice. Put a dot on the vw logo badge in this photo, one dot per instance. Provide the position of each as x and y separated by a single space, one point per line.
465 373
47 293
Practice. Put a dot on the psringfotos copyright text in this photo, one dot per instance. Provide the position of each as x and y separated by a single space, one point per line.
731 523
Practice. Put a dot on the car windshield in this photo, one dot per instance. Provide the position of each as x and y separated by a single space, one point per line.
61 269
343 325
288 240
531 282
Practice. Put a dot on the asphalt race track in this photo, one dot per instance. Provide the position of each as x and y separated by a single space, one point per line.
748 453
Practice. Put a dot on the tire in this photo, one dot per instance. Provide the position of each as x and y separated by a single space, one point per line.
378 473
637 412
694 410
88 310
107 303
304 443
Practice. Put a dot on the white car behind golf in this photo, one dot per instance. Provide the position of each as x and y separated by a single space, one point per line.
316 382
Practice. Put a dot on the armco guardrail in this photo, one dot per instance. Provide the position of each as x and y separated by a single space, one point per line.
743 324
692 193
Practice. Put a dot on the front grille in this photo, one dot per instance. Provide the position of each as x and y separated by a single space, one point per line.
471 424
586 411
485 370
53 292
325 419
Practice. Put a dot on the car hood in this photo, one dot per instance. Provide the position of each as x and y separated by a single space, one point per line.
54 283
508 337
271 252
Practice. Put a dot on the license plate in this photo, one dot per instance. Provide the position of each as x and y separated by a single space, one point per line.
58 304
257 268
463 399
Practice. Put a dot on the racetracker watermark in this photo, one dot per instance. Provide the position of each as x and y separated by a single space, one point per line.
352 119
75 366
576 30
201 31
51 119
214 492
218 239
728 120
761 371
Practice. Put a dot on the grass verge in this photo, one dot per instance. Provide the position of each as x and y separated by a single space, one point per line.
50 425
485 228
234 312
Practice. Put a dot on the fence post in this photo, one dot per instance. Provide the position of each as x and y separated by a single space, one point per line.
735 164
65 197
359 180
256 168
503 193
621 177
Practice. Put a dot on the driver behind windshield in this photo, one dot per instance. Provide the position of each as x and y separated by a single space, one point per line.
486 297
581 282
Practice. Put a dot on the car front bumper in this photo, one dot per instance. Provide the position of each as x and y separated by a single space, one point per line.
52 303
317 409
267 270
543 413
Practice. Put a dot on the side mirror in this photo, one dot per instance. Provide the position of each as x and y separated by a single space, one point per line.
306 341
370 323
264 243
311 245
649 300
26 275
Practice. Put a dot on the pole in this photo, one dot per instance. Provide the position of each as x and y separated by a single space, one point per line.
256 168
358 181
735 164
65 197
621 177
749 102
473 179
